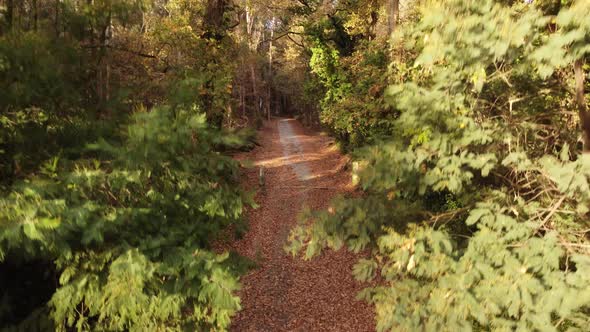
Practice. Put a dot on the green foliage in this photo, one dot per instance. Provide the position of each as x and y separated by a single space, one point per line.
356 113
129 232
475 210
41 89
33 72
107 210
571 43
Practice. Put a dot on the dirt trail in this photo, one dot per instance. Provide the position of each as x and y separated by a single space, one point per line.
286 294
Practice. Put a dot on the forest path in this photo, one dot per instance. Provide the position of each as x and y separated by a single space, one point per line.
302 168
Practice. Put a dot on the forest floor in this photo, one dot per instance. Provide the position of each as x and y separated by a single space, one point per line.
302 168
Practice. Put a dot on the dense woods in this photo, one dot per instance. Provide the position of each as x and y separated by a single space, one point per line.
467 123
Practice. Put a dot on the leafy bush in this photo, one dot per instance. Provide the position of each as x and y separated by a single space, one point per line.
38 95
484 121
353 106
128 231
36 71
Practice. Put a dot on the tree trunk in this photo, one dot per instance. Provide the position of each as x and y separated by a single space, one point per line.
35 15
213 21
91 28
254 87
56 23
242 99
270 73
104 68
393 16
21 13
580 78
249 22
10 13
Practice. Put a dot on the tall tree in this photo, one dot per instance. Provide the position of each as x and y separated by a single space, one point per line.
35 15
584 114
393 15
10 13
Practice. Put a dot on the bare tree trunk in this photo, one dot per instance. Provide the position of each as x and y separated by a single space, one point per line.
254 87
242 99
580 78
270 73
10 13
253 37
99 84
21 13
91 27
108 41
249 22
35 15
213 21
56 26
104 68
107 83
393 16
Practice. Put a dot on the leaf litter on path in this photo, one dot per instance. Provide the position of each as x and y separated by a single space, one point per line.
301 168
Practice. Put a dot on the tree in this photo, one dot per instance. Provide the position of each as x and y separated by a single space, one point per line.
214 21
114 177
475 196
9 13
393 15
